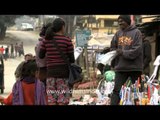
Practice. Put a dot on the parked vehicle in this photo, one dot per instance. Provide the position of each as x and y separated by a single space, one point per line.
27 27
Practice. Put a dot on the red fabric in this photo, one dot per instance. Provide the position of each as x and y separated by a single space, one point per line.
2 50
28 92
8 100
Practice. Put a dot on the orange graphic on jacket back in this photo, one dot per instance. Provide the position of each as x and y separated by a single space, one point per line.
124 41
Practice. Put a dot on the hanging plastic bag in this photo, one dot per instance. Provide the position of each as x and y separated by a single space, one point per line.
77 52
106 58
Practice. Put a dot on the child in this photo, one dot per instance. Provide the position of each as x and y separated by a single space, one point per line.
18 71
41 63
28 90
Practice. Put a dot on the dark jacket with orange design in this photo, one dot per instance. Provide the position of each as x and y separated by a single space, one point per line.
130 41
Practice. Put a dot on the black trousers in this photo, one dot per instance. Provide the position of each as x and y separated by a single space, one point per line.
120 79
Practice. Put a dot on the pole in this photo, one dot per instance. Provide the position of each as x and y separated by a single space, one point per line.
86 61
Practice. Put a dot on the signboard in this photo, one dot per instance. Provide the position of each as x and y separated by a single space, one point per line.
87 33
82 37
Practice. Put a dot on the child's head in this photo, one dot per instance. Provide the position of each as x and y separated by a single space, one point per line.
28 56
44 29
29 69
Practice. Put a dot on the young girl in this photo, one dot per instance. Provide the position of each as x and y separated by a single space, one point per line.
28 90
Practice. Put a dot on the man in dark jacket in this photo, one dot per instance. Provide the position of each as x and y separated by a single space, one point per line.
129 62
146 54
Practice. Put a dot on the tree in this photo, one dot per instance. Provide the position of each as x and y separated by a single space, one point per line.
6 21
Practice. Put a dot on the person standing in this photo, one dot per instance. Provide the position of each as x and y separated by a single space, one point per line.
129 61
57 86
21 49
1 74
41 63
2 51
12 51
16 49
6 52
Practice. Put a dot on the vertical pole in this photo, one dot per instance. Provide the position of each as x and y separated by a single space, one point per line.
86 61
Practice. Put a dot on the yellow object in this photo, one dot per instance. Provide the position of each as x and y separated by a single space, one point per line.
121 102
145 101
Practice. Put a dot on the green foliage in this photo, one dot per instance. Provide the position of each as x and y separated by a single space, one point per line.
7 20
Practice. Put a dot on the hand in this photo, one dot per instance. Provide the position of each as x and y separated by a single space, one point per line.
119 51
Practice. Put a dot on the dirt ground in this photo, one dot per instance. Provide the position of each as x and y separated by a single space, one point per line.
9 39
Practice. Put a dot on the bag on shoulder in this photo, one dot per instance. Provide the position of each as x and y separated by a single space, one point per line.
75 74
74 70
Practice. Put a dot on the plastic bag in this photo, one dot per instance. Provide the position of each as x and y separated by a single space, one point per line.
106 58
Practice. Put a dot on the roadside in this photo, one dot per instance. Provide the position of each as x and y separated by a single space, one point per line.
9 39
29 38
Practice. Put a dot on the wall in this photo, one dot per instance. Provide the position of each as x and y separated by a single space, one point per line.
153 52
107 16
